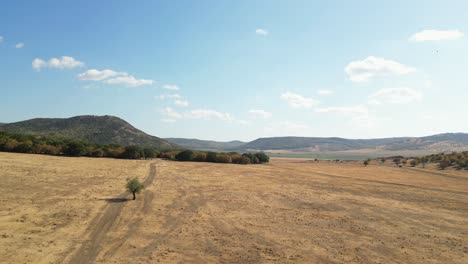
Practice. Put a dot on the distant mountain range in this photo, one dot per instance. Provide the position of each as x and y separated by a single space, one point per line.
97 129
207 144
110 129
339 147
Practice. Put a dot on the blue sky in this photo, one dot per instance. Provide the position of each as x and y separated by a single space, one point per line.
226 70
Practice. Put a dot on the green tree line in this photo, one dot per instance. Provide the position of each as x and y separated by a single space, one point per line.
34 144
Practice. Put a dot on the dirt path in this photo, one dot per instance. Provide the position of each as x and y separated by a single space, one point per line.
101 225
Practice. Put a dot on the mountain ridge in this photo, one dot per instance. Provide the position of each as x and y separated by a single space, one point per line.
97 129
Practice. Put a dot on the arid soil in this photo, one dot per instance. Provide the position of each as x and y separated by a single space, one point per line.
74 210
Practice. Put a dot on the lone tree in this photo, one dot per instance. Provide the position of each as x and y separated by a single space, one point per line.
134 186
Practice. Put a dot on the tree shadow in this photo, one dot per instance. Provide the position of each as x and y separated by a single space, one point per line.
115 200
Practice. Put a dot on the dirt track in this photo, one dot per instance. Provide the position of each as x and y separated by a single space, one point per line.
103 223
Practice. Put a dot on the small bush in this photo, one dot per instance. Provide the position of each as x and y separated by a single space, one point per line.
186 155
223 158
200 157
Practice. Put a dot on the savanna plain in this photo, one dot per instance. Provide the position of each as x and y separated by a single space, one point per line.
75 210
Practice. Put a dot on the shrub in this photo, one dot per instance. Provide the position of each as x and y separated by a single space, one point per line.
211 156
262 157
223 158
245 160
132 152
252 157
443 164
366 162
97 153
186 155
74 149
167 155
413 163
134 186
150 153
200 157
236 158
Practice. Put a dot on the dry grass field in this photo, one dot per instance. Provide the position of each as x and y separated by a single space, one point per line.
72 210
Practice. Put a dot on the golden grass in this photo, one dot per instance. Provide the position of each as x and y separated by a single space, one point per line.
289 211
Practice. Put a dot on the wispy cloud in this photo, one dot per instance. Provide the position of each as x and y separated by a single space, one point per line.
113 77
364 70
170 87
1 39
260 113
395 96
261 32
200 113
325 92
181 102
169 96
19 45
168 120
129 81
97 75
298 101
65 62
436 35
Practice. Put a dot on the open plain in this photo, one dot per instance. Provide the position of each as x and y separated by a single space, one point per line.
75 210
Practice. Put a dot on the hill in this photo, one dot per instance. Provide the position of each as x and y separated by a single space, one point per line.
96 129
206 144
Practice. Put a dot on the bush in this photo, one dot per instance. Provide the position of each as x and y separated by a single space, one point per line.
413 163
132 152
98 153
262 157
236 158
186 155
150 153
211 156
443 164
74 149
223 158
252 157
167 155
200 157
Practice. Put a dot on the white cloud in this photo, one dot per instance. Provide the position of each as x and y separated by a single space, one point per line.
171 113
325 92
168 120
1 39
111 77
364 70
169 96
129 81
261 32
19 45
358 110
436 35
395 96
170 87
181 102
206 114
298 101
65 62
97 75
260 113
